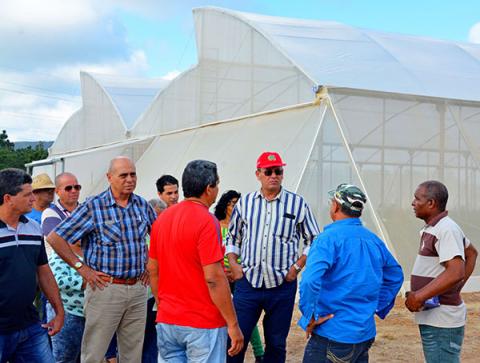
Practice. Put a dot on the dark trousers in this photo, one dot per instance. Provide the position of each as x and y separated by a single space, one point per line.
322 350
278 305
150 350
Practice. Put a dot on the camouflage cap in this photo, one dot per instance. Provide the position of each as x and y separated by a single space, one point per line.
350 196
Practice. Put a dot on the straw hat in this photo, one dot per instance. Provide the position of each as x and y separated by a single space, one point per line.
42 181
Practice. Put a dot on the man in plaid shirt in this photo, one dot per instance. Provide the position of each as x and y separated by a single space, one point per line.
112 226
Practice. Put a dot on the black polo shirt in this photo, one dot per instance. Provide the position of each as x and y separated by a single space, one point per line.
22 250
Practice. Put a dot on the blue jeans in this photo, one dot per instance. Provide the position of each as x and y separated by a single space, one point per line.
26 346
441 344
320 350
67 343
182 344
278 305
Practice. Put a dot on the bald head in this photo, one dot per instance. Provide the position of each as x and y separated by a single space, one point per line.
122 176
60 177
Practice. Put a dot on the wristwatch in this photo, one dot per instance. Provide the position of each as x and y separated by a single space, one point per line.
78 265
297 267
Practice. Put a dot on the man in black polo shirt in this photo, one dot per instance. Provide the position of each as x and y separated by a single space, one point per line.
22 261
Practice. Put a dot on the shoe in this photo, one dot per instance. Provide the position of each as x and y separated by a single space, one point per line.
259 359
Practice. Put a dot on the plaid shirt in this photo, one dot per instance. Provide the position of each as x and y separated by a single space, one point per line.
113 237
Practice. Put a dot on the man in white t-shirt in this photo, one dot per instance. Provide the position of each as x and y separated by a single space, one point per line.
445 261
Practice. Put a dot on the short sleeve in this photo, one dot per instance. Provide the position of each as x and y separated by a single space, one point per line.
450 244
78 225
49 222
42 256
209 244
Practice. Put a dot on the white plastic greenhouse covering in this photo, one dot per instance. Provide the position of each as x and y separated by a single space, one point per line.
396 110
111 105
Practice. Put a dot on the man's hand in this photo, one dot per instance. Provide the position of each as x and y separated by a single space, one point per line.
93 277
145 278
413 303
54 325
228 273
314 323
291 275
237 271
236 337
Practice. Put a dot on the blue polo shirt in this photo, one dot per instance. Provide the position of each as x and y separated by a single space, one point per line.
349 273
22 250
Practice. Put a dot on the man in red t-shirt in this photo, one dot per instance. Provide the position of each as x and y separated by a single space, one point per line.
187 277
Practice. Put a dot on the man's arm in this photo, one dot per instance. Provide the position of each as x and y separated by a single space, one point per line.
152 268
309 231
49 287
63 249
470 261
220 293
391 284
454 273
234 243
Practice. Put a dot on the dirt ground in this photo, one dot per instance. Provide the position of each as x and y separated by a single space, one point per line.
397 338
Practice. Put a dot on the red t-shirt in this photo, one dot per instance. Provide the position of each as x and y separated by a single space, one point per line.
185 238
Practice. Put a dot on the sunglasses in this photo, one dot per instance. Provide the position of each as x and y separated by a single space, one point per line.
277 171
69 188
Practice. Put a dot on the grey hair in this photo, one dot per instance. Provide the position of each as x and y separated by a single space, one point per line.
158 203
436 191
198 174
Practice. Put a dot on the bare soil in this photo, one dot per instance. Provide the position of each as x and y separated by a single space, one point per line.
398 339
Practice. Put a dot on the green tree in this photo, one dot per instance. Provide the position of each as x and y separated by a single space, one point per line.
11 158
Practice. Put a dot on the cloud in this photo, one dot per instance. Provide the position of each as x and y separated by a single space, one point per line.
25 15
474 34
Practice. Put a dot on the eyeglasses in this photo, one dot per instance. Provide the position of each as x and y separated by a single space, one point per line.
69 188
277 171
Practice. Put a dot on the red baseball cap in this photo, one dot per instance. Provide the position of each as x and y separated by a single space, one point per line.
269 159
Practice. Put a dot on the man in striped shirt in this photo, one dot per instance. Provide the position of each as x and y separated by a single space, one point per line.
112 226
445 261
265 231
23 266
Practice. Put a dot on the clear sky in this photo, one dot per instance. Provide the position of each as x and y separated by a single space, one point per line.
44 44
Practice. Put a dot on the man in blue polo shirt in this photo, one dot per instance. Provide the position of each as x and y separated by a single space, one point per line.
22 261
349 277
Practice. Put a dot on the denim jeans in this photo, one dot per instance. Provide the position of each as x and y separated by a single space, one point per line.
278 305
441 344
182 344
26 346
320 350
67 343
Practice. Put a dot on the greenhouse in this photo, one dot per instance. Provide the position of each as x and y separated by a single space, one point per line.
340 104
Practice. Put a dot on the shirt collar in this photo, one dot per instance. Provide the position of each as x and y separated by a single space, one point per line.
60 206
110 200
344 222
280 196
437 218
22 219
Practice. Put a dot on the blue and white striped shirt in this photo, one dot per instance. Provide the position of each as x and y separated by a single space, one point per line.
266 235
113 237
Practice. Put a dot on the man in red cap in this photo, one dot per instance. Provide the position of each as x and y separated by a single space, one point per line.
266 231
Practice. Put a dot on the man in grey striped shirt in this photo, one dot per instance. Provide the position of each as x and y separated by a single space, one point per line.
266 232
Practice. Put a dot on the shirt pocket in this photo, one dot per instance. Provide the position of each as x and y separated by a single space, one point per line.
286 229
110 233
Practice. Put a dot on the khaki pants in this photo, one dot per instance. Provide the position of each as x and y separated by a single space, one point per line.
116 308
